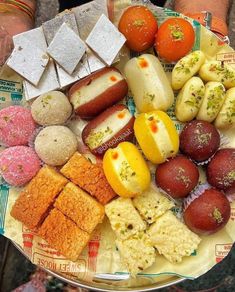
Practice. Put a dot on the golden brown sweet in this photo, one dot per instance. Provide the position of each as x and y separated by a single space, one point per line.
90 177
64 235
34 201
80 207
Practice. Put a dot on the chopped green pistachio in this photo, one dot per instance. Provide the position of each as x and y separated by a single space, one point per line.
139 22
182 177
195 97
222 71
215 99
149 96
185 64
230 111
230 177
203 139
176 32
45 100
95 139
126 172
217 215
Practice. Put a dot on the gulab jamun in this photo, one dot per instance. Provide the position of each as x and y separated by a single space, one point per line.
208 211
199 140
177 176
221 170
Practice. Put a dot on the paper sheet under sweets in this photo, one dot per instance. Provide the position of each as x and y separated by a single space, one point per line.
101 255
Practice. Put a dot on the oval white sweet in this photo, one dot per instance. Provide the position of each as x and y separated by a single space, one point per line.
189 99
218 71
212 102
226 116
186 68
148 83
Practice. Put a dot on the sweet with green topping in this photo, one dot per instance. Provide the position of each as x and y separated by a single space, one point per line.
208 211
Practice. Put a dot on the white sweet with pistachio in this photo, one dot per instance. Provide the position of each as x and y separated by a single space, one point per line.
189 99
226 116
125 220
148 83
136 253
55 145
172 238
52 108
186 68
218 71
212 102
152 204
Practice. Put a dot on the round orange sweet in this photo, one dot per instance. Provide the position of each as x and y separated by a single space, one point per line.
175 39
139 26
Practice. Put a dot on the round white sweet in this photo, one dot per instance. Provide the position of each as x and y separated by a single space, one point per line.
55 145
52 108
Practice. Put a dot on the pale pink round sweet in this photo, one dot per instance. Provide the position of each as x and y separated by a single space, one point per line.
16 126
18 165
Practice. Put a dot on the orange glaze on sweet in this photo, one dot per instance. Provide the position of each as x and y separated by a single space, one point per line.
153 126
115 155
143 63
113 78
121 115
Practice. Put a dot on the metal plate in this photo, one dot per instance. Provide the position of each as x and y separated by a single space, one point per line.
104 286
102 281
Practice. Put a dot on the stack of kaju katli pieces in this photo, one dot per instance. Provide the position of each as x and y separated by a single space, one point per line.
65 49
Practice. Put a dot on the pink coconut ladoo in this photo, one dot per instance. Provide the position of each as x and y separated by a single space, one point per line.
16 126
18 165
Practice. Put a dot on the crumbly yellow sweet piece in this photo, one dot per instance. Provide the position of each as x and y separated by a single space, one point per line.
137 253
152 204
33 203
89 177
63 235
80 207
172 238
124 218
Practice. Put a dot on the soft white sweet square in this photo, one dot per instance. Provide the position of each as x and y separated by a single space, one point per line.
66 48
48 82
106 40
51 27
28 60
35 36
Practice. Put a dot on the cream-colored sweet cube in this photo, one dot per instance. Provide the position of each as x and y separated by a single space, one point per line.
137 253
152 204
124 219
172 238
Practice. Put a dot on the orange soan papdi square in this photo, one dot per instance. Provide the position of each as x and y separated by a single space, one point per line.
88 176
38 196
64 235
80 207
